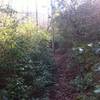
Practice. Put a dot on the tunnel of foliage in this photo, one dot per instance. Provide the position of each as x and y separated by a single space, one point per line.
25 59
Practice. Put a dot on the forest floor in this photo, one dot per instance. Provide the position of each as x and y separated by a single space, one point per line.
62 89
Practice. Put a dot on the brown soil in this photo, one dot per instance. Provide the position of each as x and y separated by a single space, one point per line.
62 89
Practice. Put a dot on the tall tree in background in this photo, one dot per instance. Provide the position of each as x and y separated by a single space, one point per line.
79 19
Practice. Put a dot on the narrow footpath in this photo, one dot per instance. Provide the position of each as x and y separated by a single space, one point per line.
62 89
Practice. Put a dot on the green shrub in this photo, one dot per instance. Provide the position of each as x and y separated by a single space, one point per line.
83 83
84 97
26 54
86 56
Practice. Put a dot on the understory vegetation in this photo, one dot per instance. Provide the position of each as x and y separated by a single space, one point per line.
25 60
30 56
77 25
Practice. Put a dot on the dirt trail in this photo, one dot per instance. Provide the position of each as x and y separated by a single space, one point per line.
62 90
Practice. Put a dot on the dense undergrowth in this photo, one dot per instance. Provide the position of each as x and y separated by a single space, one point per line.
25 60
76 28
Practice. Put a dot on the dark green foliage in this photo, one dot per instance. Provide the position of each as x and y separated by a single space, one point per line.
26 58
84 97
87 57
83 83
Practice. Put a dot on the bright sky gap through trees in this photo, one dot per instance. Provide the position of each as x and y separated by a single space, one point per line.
29 6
